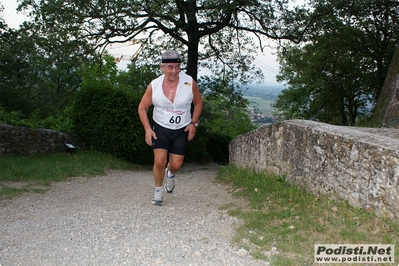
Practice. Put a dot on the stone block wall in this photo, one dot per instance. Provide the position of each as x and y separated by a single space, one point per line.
360 165
25 141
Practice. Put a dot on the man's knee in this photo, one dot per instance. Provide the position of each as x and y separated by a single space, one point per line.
159 162
175 165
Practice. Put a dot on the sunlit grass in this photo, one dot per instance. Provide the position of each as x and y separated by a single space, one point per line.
282 222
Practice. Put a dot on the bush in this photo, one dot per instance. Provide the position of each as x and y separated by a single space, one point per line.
15 118
208 146
105 119
196 149
218 147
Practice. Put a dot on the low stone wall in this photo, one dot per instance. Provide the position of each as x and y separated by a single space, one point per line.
25 141
360 165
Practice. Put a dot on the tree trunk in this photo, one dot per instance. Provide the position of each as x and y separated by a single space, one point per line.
192 61
386 113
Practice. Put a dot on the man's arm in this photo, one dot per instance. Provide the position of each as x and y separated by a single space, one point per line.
197 101
145 103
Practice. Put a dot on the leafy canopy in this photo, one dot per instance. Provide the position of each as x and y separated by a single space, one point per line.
202 28
38 69
336 76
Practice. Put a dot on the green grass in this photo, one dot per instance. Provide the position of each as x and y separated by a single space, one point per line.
42 170
285 217
10 192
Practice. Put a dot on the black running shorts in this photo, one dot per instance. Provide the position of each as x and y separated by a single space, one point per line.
175 141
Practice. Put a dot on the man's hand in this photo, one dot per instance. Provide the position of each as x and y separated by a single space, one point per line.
191 131
149 134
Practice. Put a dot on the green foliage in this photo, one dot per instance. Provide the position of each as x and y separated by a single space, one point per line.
208 145
225 108
336 76
57 122
192 25
197 148
138 78
11 118
40 83
99 71
218 147
224 115
105 119
39 70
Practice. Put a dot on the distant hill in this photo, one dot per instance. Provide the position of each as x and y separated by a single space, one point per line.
264 91
261 102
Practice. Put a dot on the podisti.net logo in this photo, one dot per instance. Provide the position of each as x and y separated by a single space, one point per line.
354 253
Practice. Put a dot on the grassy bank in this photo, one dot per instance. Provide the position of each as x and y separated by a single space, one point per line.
42 170
282 223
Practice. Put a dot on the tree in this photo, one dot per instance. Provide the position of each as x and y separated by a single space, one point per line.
202 27
101 70
39 69
337 75
225 110
387 109
138 78
3 25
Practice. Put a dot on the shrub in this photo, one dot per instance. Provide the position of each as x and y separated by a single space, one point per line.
218 147
57 122
105 119
196 149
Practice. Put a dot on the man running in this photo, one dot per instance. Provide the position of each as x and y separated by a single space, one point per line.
171 94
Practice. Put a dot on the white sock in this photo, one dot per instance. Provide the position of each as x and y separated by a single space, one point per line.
158 188
169 174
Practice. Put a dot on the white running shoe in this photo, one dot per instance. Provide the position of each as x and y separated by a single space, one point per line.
158 197
169 182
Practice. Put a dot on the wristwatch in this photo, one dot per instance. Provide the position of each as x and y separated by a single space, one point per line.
194 124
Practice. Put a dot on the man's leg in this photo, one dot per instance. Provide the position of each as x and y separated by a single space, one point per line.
175 162
174 165
160 159
160 156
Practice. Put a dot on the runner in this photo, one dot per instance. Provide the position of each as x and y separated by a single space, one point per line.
171 94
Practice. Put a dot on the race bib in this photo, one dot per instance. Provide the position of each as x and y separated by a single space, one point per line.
174 116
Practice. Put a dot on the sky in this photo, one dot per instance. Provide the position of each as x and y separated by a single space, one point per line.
12 18
267 61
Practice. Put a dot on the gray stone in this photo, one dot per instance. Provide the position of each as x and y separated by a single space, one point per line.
360 165
26 141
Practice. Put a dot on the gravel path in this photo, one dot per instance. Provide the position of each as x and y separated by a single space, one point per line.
109 220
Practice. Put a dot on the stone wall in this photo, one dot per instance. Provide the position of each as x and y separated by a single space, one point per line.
25 141
360 165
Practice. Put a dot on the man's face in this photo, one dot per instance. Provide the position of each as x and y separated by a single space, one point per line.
170 69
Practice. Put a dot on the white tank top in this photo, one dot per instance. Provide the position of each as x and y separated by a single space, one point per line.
174 115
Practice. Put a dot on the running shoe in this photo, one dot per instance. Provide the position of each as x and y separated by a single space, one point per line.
158 197
169 181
